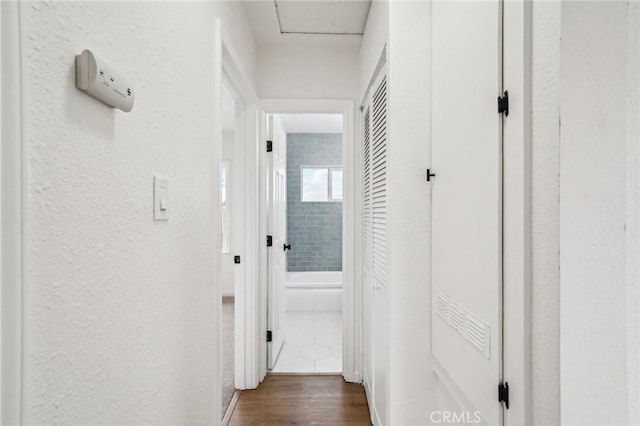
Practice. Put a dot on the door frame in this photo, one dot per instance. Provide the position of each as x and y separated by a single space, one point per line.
230 73
13 227
351 305
517 176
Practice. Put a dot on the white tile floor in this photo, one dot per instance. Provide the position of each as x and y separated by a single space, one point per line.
313 344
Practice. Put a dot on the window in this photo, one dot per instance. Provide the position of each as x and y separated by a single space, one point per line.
321 184
224 213
336 184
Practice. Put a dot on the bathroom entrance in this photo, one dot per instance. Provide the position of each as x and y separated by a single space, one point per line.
305 243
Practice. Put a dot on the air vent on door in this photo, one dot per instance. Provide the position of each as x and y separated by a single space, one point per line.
477 332
470 327
442 307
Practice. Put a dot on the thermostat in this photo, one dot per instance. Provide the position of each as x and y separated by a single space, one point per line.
95 77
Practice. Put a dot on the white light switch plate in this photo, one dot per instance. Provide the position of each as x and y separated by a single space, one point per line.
160 198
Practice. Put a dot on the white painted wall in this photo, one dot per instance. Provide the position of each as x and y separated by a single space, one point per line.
545 217
308 72
311 123
411 381
122 318
599 213
632 213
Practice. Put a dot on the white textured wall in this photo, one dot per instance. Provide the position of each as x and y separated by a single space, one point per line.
545 215
598 199
632 213
411 381
308 72
121 314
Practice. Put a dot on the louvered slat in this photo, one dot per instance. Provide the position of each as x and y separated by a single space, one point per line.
367 199
378 184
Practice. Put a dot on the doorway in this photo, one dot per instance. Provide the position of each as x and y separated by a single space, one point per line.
227 271
305 216
350 324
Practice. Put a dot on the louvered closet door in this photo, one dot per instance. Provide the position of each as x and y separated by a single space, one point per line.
379 184
366 249
374 161
467 203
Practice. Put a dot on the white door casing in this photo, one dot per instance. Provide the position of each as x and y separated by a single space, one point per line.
352 320
14 225
467 203
277 228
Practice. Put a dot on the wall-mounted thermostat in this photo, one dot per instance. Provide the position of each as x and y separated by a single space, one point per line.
103 82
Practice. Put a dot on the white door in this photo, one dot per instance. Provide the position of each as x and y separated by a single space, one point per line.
467 203
277 229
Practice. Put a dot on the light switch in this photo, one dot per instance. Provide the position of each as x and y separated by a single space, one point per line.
160 198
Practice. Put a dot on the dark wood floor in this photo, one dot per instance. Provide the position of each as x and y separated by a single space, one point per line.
302 400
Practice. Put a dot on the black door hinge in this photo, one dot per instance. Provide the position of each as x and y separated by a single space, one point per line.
269 240
430 175
503 394
503 104
269 336
269 146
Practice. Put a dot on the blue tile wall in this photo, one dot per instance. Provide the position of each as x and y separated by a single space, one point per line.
314 230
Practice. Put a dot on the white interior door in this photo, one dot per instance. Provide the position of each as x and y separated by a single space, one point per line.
467 203
277 229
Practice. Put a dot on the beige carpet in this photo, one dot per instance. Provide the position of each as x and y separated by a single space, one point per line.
228 387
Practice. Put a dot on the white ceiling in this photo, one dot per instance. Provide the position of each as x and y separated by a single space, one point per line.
307 22
311 123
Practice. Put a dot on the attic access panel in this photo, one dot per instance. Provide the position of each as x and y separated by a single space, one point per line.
322 17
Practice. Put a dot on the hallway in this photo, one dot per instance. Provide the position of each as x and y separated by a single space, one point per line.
283 400
477 164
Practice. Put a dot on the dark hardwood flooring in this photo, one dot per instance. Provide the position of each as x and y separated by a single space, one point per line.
302 400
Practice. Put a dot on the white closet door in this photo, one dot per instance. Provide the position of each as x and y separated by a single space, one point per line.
366 249
467 203
374 221
378 182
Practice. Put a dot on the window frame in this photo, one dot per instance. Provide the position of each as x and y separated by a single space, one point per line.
330 170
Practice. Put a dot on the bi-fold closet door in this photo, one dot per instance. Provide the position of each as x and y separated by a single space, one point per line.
374 221
467 203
